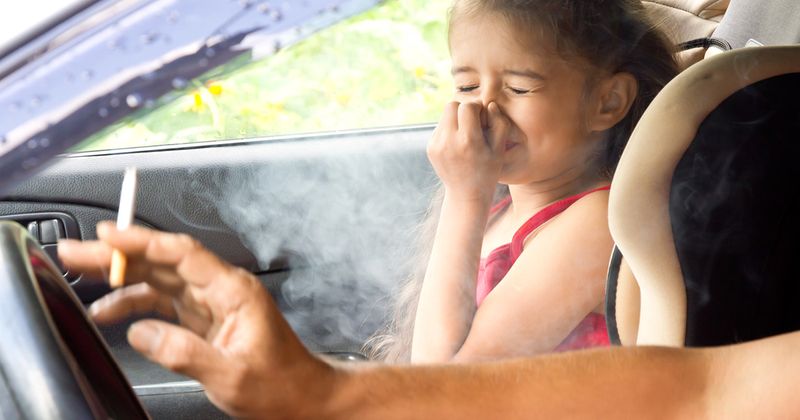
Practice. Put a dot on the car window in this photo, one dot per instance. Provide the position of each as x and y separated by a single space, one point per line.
387 66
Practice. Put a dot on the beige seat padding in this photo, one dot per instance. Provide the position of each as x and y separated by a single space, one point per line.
638 212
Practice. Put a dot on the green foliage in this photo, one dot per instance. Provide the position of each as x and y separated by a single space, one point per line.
385 67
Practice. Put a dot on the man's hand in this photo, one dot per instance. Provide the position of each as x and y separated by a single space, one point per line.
231 337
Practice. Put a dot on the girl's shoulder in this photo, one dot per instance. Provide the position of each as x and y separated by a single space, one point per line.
587 212
593 205
597 197
588 215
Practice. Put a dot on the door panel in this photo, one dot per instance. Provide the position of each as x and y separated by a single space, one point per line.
324 221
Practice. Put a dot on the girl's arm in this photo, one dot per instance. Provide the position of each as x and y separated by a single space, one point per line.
555 283
447 299
468 163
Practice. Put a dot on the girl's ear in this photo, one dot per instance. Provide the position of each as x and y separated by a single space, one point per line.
613 98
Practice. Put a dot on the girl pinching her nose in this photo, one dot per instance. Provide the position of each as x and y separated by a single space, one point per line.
515 249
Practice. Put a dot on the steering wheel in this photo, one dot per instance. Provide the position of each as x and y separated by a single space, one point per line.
53 362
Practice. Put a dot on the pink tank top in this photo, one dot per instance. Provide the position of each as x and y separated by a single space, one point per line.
591 332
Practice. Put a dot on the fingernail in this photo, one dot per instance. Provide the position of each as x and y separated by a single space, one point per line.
144 336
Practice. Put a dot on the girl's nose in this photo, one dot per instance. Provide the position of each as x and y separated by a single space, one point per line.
489 95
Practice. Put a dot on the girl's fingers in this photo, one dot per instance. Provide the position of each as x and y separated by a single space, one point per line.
449 120
469 120
499 127
448 123
130 300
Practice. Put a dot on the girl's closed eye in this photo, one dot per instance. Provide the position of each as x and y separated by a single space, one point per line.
523 87
519 91
466 89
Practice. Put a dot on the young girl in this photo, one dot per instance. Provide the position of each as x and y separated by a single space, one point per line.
547 93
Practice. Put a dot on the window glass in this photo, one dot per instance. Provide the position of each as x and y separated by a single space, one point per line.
388 66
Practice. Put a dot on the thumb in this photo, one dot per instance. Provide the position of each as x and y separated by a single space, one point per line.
176 348
499 127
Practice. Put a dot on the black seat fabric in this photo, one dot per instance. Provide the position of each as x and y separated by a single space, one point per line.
735 216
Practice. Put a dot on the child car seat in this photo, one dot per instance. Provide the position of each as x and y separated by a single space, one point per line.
705 27
755 23
689 24
703 207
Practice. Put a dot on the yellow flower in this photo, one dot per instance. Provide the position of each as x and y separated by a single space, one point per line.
275 106
198 100
215 88
419 72
343 98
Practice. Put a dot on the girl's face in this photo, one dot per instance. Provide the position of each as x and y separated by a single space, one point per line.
541 94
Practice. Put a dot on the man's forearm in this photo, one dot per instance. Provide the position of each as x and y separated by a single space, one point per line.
607 383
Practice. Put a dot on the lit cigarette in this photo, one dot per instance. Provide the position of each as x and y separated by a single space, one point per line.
127 203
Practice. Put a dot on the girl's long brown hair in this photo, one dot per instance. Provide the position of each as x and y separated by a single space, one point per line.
609 35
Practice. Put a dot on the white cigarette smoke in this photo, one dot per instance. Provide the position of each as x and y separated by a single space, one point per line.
346 217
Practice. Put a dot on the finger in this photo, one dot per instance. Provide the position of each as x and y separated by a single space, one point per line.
213 284
91 258
195 264
155 246
448 125
499 128
449 118
136 299
469 120
177 349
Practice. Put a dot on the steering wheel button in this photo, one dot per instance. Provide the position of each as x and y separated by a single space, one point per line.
50 231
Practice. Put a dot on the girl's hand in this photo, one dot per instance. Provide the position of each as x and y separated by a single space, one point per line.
231 337
467 149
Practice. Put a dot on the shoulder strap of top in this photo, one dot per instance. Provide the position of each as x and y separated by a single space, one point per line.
500 205
542 216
